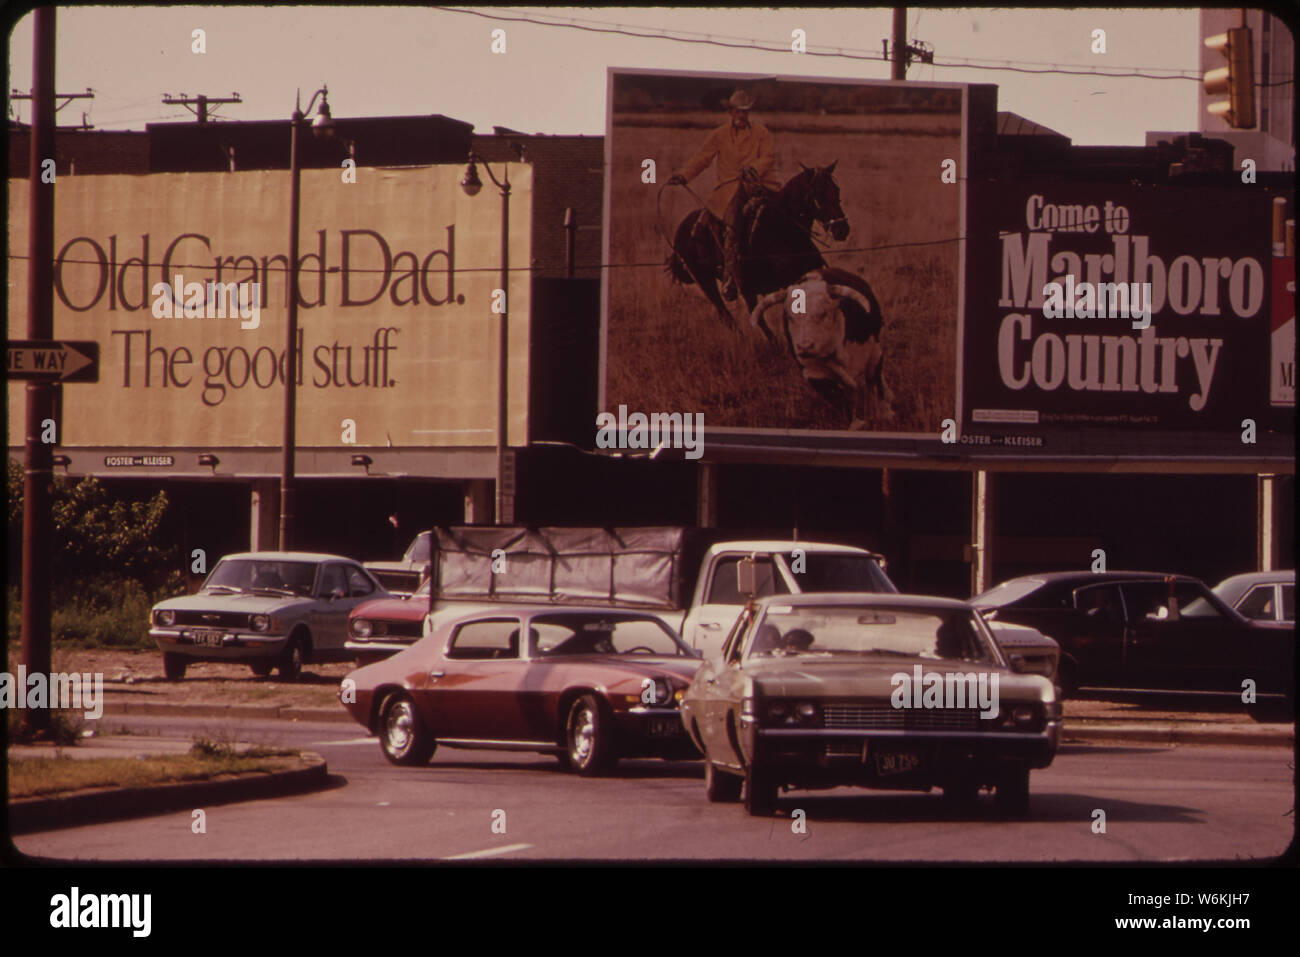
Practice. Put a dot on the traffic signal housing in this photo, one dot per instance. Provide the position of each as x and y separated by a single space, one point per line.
1237 79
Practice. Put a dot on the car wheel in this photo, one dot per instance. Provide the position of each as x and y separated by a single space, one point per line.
262 668
402 735
961 794
589 736
1067 677
290 666
174 666
1012 795
760 793
719 786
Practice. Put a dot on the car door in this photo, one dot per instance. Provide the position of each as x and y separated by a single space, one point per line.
476 689
1180 636
329 615
1094 632
716 614
721 693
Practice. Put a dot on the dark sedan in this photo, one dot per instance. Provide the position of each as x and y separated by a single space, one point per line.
588 685
1145 630
880 691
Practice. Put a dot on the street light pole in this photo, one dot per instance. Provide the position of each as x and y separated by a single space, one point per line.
471 184
323 127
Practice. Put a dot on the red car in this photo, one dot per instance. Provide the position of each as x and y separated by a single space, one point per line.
386 625
589 685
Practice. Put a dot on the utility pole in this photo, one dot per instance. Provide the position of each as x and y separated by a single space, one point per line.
66 98
899 67
38 477
201 101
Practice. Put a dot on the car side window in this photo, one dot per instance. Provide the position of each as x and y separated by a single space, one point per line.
332 578
1258 603
1288 602
485 640
723 590
1101 603
358 583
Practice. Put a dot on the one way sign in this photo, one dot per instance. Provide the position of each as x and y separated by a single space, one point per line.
53 361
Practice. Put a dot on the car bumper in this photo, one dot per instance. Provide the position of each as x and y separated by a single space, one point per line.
235 645
894 758
654 732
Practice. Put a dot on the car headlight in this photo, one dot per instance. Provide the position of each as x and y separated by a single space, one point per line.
806 712
260 622
1024 715
362 627
778 710
165 617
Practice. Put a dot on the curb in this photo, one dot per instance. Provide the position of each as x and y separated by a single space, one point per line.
273 712
1076 729
111 804
1279 736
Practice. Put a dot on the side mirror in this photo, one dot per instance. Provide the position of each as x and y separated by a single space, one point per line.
746 578
337 593
1019 665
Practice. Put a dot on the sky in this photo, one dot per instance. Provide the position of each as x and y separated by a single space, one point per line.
385 61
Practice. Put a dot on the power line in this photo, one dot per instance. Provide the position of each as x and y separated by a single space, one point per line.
746 43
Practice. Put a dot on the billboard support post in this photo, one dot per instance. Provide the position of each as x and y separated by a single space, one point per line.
981 531
38 476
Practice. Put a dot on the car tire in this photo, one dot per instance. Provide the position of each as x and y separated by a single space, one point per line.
262 668
1067 677
719 786
760 793
588 735
402 735
961 795
1011 797
290 664
174 666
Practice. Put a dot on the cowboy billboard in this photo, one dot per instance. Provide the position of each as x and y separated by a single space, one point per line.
783 252
1107 307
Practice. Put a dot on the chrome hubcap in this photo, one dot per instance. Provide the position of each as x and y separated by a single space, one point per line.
582 734
398 728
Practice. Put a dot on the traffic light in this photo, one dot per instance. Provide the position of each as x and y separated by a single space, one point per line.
1237 79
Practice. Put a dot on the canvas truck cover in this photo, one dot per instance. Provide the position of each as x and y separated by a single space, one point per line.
643 567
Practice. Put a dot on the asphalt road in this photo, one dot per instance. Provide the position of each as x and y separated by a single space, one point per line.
1160 804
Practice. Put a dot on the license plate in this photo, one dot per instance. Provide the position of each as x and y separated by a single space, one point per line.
897 762
665 727
208 637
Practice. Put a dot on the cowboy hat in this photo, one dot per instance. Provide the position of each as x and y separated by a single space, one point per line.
740 100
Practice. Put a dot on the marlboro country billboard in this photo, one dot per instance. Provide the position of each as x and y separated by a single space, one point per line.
1092 305
181 279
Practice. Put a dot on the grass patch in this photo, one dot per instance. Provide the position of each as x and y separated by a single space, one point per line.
104 612
29 777
66 725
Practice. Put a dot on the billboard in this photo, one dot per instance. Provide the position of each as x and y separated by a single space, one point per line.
891 153
1131 309
397 330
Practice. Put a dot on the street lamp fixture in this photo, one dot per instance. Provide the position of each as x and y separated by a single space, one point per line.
471 184
363 460
322 127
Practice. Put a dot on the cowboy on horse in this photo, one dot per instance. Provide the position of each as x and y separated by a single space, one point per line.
746 159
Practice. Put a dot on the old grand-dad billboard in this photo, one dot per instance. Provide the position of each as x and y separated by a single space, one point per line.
397 334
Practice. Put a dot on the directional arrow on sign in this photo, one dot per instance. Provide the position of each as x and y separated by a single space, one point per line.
53 361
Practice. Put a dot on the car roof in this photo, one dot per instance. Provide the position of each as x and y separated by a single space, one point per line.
867 598
785 545
292 557
1258 578
1052 578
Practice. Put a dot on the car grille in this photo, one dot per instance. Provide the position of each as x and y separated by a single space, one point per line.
213 619
853 716
403 629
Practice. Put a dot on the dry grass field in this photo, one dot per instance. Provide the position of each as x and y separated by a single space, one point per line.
667 351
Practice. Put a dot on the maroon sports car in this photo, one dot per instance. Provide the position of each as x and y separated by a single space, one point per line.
589 685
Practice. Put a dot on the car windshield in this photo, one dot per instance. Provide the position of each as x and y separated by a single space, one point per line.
878 630
1006 593
559 634
260 574
821 573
